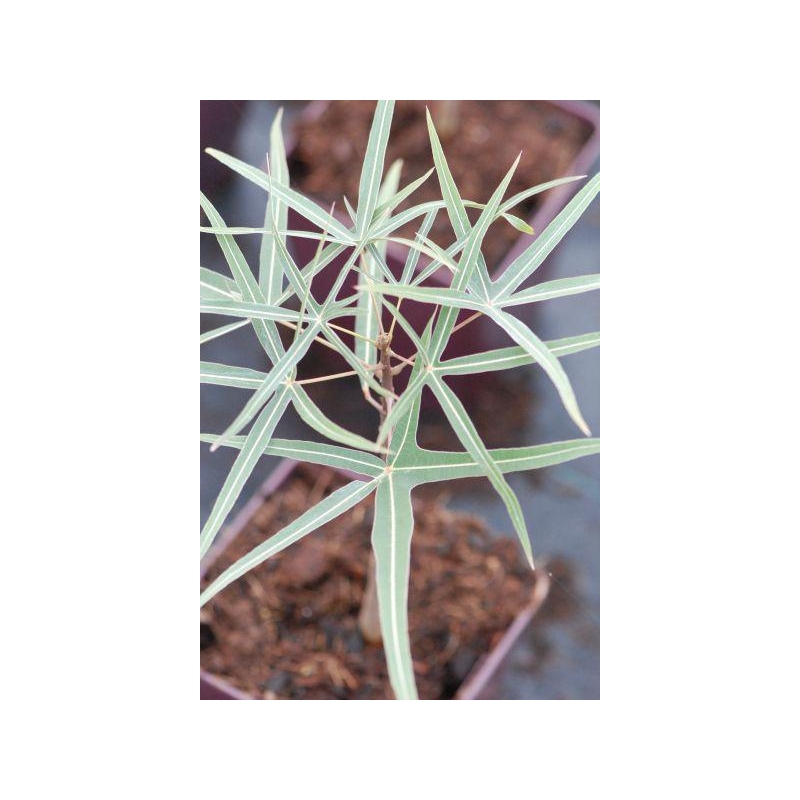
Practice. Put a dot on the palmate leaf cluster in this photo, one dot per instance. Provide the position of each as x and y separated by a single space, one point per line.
393 464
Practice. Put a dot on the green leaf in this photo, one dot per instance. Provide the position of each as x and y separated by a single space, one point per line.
350 210
468 262
254 444
315 419
280 372
468 436
213 284
455 206
265 331
368 324
237 377
372 168
449 298
403 416
430 466
232 308
430 249
328 455
307 208
270 231
536 348
552 289
270 268
518 223
422 348
542 187
216 332
391 542
393 223
331 507
509 357
390 183
413 253
531 258
396 411
387 205
515 222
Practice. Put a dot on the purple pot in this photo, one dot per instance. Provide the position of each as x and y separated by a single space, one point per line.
482 681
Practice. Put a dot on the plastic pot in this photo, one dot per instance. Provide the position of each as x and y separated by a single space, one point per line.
482 681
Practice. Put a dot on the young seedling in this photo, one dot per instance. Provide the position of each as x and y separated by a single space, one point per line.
392 464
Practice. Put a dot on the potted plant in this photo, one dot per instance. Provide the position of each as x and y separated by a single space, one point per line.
391 465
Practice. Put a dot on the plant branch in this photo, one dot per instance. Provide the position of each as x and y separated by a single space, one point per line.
328 377
467 321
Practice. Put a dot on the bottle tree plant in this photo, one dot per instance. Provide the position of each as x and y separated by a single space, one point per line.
392 463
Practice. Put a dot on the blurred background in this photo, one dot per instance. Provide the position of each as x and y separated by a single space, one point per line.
558 656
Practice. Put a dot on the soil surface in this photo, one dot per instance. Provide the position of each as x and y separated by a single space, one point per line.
481 139
288 629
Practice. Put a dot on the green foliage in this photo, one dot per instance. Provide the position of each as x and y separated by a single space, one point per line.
393 464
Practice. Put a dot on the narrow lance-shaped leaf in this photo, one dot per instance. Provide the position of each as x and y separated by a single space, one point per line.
542 187
254 444
416 381
430 466
391 543
350 210
217 332
234 308
327 455
368 323
530 259
549 290
329 252
331 507
307 208
527 339
448 298
315 419
237 377
403 417
413 253
390 182
281 234
468 435
277 374
372 169
388 204
468 261
512 220
270 268
212 282
265 331
510 357
455 206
